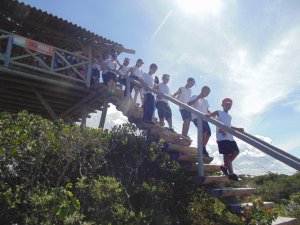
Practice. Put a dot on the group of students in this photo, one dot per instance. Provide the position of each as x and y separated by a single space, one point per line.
226 144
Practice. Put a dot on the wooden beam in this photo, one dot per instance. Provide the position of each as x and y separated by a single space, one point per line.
45 104
84 115
39 78
81 102
24 96
50 91
103 115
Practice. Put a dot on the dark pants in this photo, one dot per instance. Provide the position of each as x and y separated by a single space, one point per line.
131 85
148 107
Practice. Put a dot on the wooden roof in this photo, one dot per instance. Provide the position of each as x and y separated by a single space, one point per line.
25 20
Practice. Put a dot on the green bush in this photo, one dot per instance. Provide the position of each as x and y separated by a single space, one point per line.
57 173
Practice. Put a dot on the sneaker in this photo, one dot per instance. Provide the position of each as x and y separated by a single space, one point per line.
224 170
171 129
148 121
205 153
233 177
184 136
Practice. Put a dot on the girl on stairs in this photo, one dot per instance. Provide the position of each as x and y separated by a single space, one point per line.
226 144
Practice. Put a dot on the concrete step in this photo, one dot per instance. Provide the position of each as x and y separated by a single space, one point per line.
237 208
229 192
193 158
286 221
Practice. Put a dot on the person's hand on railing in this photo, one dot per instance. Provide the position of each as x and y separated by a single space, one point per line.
223 132
238 129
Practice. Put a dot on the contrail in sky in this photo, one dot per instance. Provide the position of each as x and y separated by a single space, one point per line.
161 24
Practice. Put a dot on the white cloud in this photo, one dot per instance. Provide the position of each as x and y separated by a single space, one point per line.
113 117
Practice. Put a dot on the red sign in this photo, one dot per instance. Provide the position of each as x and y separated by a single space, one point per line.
33 45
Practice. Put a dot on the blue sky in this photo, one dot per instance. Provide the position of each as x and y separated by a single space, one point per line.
246 50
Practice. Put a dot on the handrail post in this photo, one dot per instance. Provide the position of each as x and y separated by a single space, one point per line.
127 88
89 69
52 60
8 51
200 147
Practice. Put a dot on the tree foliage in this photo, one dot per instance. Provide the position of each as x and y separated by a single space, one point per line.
56 173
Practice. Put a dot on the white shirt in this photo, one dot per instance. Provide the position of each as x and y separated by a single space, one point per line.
124 70
96 64
112 65
136 71
164 89
185 95
201 105
224 118
149 80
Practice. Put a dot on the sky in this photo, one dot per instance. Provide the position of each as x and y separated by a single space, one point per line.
246 50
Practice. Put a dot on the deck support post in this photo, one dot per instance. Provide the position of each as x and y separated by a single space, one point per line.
84 115
45 104
103 115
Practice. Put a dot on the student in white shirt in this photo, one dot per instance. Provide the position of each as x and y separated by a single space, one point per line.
147 81
201 104
226 144
123 70
135 73
184 95
162 105
96 68
110 77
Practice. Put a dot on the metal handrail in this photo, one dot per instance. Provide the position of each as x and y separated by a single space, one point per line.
267 148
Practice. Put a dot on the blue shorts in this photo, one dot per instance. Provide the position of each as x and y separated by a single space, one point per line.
185 114
164 110
205 126
227 147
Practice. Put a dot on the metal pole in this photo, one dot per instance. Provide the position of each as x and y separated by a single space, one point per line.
200 147
8 51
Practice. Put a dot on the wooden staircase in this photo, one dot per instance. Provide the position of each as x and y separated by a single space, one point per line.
187 157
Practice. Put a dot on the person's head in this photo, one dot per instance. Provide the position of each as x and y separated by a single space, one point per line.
226 104
114 56
139 63
152 68
126 62
190 82
105 55
99 57
165 78
205 91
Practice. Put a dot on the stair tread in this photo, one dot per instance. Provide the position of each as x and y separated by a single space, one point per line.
286 221
267 205
193 158
207 167
212 180
250 204
228 192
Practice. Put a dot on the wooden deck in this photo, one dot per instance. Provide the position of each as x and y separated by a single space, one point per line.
50 97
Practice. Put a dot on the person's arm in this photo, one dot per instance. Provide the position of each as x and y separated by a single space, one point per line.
175 95
120 68
193 100
119 64
213 114
238 129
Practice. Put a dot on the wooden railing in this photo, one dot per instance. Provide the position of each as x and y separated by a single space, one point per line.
24 54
